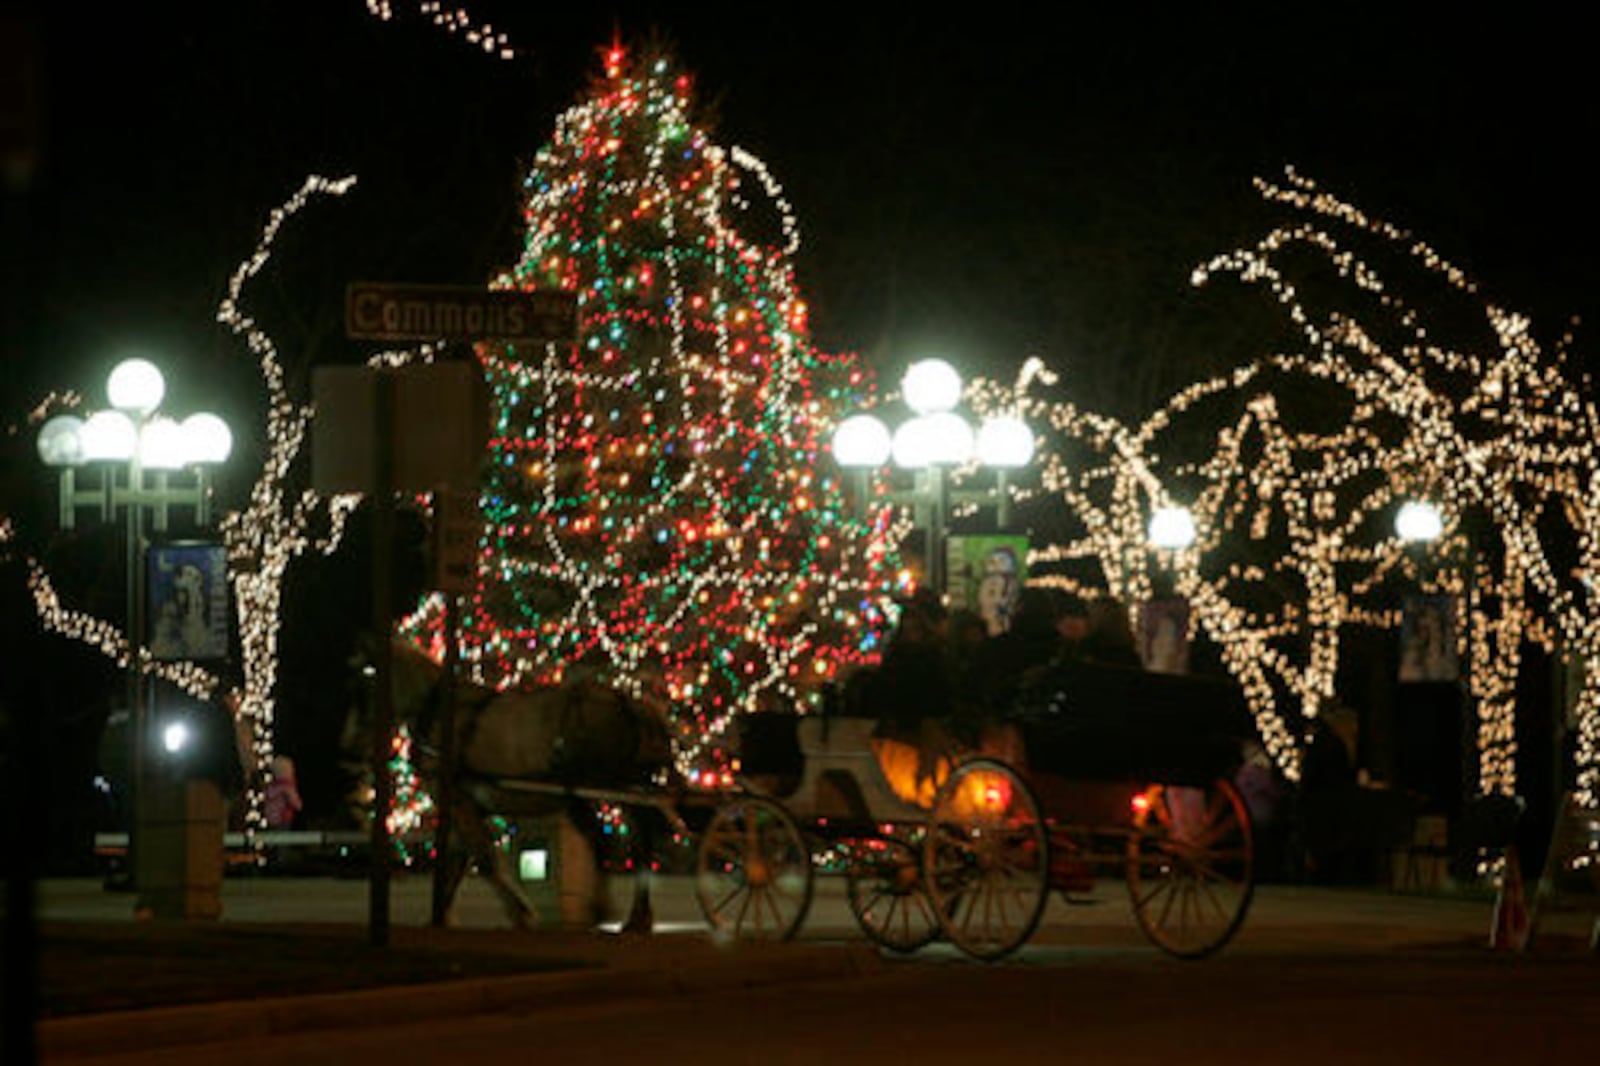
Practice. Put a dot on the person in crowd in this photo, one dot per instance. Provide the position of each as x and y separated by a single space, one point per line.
1034 641
1108 639
913 694
1328 795
967 635
913 683
282 803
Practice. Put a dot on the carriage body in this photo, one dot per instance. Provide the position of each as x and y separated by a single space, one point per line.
1094 768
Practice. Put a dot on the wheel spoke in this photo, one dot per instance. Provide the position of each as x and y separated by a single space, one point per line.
1189 868
987 875
746 836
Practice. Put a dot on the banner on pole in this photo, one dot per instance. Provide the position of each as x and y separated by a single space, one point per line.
1428 640
187 601
986 575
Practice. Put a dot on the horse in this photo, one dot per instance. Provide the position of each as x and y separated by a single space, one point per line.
578 734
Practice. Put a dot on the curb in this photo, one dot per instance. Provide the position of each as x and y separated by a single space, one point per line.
163 1027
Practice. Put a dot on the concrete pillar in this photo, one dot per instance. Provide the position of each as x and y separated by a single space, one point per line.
178 850
565 893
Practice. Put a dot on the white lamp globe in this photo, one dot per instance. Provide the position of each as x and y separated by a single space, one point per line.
109 436
912 446
931 385
1171 528
953 442
1417 521
61 441
207 438
161 445
861 441
175 737
136 385
1005 441
939 439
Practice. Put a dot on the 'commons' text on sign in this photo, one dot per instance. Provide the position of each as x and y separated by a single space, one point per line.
387 312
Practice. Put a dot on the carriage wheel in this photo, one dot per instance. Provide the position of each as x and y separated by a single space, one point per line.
1191 869
888 894
754 878
987 859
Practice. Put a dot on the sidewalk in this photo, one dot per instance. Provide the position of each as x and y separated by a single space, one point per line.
294 954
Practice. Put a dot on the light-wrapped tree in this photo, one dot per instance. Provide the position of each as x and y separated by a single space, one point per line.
658 505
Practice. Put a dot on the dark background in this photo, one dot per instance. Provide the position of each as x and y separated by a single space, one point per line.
1020 184
985 184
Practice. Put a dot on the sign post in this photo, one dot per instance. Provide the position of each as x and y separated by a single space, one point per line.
417 428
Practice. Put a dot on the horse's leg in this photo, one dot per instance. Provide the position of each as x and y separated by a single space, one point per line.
476 841
584 849
641 916
455 860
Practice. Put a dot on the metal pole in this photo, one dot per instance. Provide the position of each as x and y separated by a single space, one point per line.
138 717
1003 508
446 776
383 690
1470 779
936 520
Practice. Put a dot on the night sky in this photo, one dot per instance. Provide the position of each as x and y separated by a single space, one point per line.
1028 184
984 190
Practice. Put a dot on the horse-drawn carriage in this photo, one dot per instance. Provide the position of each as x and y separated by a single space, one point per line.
1097 767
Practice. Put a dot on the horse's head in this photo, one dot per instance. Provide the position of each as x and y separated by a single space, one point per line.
414 680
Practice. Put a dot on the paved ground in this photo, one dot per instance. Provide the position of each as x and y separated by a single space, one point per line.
293 954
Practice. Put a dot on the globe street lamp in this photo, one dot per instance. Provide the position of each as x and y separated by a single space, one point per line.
929 444
132 437
1171 528
1418 522
1421 522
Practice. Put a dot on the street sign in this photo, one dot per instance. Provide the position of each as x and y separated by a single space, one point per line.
377 311
437 427
457 524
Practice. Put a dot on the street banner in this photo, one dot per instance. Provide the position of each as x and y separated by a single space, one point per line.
986 575
1428 639
1164 635
187 601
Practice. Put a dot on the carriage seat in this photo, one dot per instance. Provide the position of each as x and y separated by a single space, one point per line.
1102 722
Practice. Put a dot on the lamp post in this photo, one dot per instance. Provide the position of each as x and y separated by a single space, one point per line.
132 436
929 444
1420 522
1171 528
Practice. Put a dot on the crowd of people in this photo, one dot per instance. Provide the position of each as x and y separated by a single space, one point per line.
942 666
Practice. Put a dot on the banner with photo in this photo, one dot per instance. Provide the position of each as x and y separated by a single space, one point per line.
1428 639
1164 635
986 575
186 601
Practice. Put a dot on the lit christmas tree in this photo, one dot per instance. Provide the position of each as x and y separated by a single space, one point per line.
658 504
